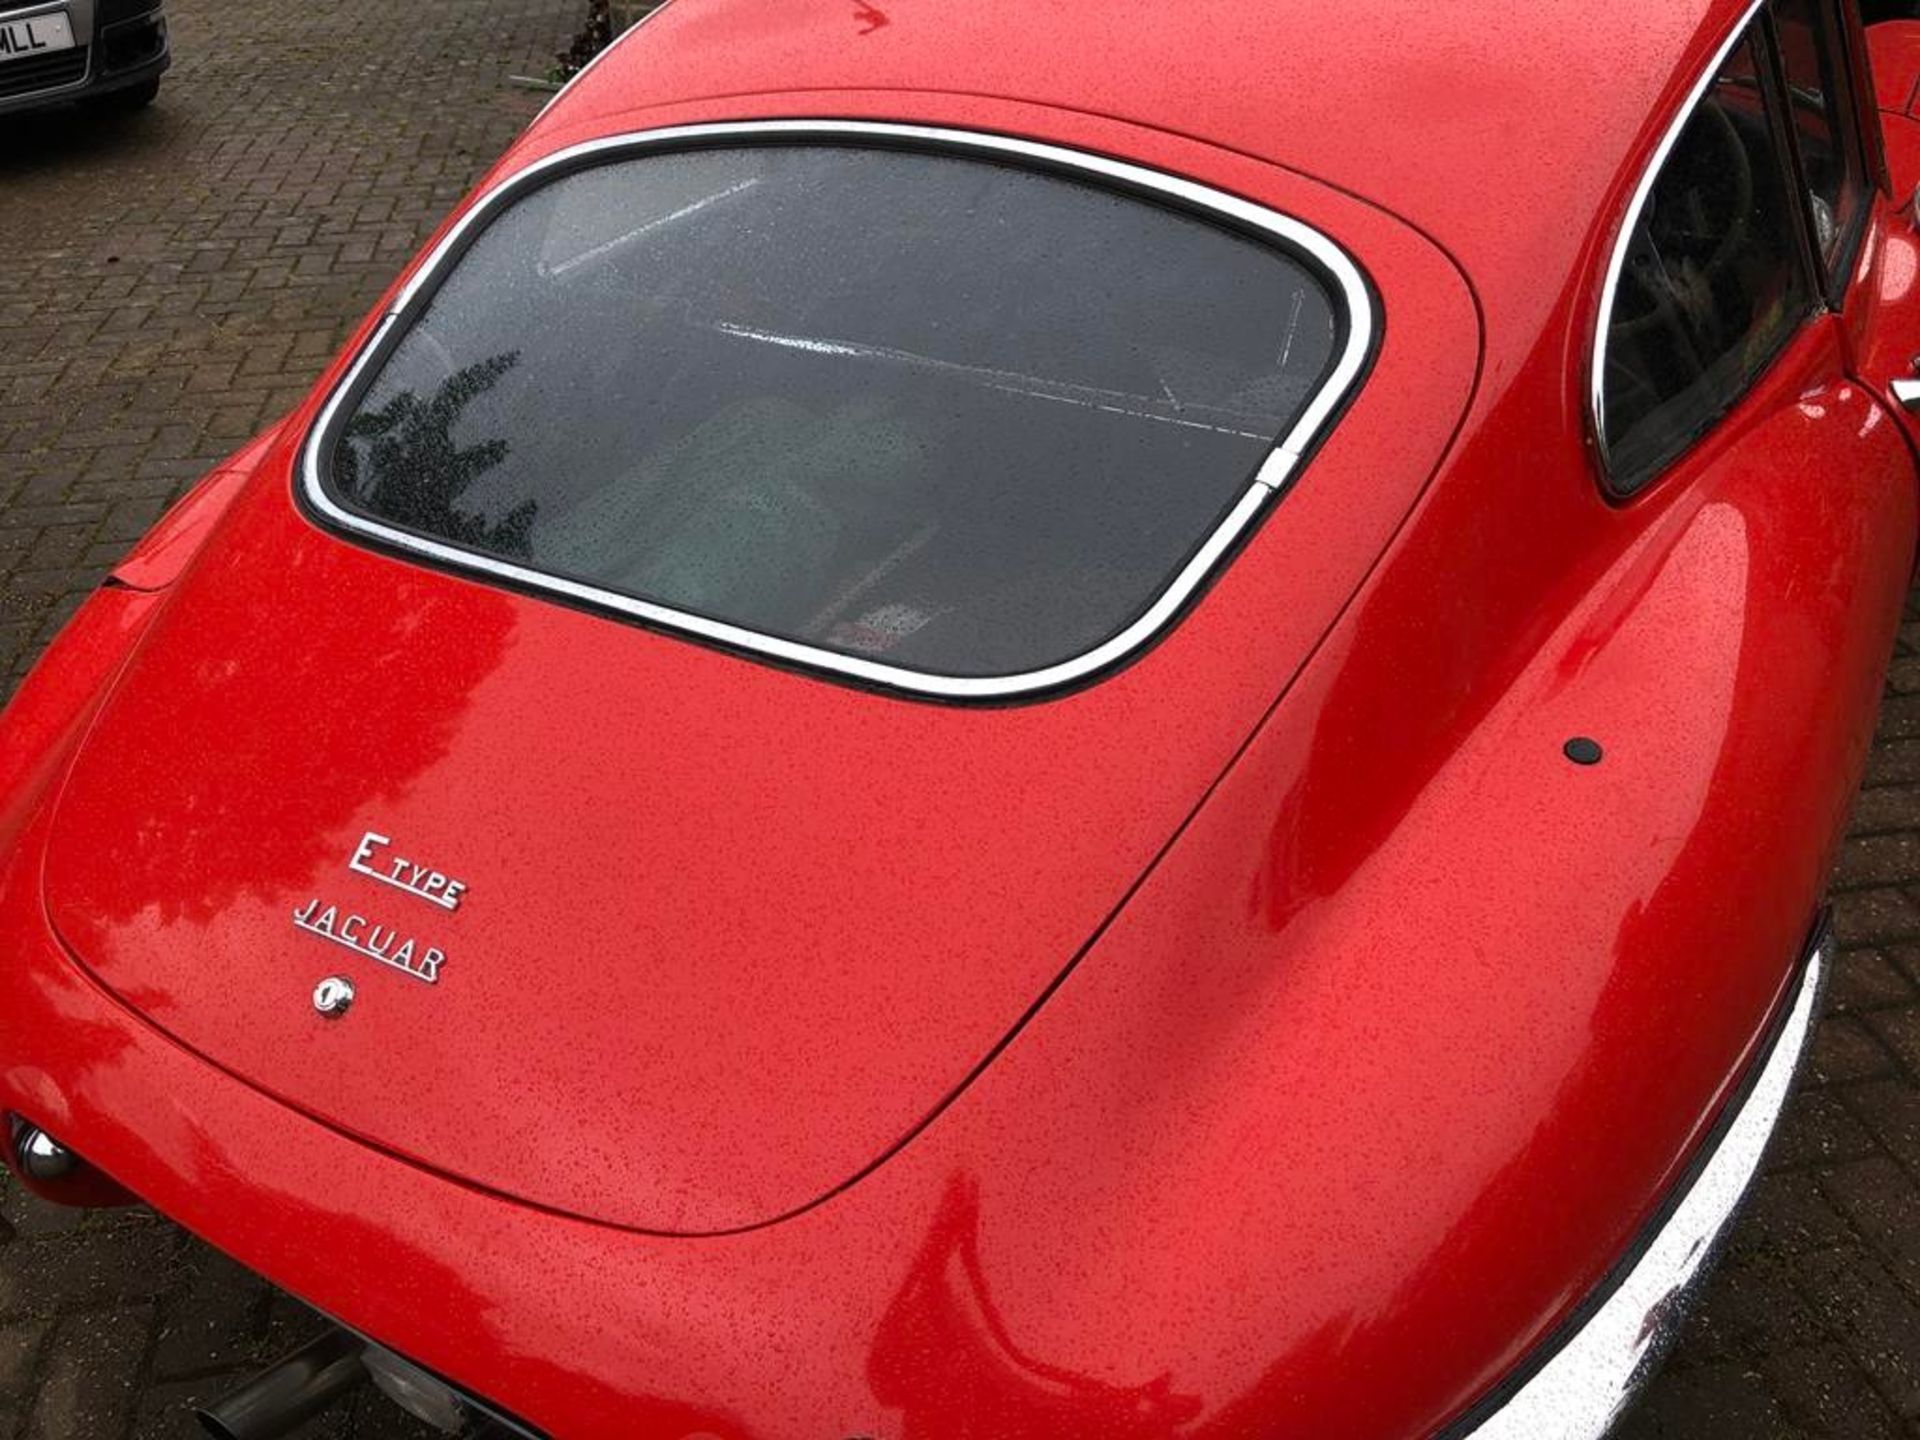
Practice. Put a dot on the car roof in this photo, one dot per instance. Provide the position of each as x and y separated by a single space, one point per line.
1507 132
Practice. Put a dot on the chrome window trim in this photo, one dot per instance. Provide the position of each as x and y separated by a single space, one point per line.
1274 477
1596 1368
1617 260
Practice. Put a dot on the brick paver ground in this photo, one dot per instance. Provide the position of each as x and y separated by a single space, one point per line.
172 281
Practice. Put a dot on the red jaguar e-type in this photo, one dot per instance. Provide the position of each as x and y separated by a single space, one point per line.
986 720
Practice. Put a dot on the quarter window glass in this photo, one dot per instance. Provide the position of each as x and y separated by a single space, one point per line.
943 413
1807 39
1711 285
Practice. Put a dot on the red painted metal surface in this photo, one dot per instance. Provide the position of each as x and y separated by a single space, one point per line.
163 554
1342 1032
1894 52
871 891
1883 323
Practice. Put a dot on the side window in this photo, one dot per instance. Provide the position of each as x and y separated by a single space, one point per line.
1711 281
1830 165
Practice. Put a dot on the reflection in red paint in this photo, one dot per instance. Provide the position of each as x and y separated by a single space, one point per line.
872 17
944 1358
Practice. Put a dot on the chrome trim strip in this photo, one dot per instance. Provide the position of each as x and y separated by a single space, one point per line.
1616 262
1581 1392
1275 475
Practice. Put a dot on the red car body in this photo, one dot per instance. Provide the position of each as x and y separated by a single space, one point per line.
1279 1035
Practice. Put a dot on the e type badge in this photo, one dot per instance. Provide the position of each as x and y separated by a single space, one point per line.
423 881
375 858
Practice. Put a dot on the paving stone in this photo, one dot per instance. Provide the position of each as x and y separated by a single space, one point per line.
87 1389
1844 1049
1894 762
1724 1400
1890 1110
1880 859
1885 808
88 1269
1750 1308
1867 979
27 1215
1787 1214
373 1418
1879 1197
1899 1030
1869 1313
217 1319
1875 917
1823 1390
1816 1129
20 1346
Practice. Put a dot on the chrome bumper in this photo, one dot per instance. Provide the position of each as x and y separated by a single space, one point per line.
1582 1381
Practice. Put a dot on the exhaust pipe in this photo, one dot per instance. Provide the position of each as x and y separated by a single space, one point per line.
53 1170
292 1392
43 1158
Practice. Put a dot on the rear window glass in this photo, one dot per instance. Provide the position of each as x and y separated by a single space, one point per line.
946 413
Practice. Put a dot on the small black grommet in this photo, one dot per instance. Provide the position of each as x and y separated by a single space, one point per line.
1582 751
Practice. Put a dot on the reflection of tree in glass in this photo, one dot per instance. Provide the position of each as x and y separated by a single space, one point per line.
415 472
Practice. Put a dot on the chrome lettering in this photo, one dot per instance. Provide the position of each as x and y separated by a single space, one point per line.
369 842
371 939
422 881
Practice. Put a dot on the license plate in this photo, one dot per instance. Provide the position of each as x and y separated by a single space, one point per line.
40 35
